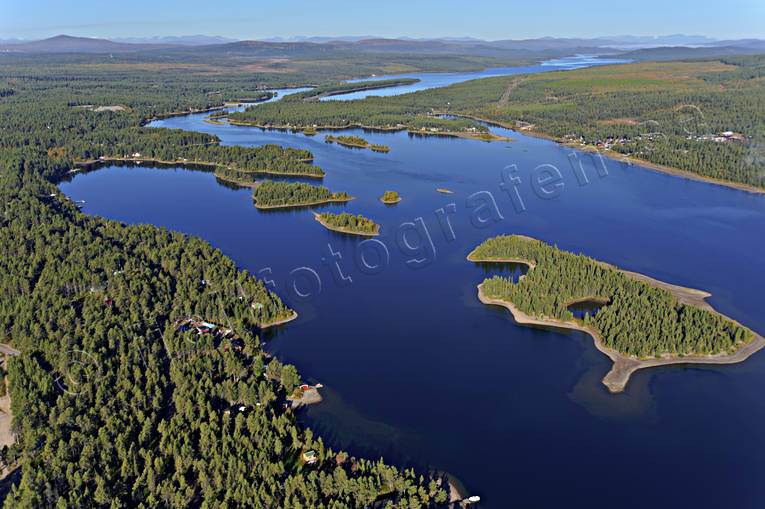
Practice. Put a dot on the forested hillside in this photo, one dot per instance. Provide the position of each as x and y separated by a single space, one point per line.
638 319
114 405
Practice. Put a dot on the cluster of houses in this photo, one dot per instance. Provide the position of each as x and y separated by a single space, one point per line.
189 323
722 137
608 143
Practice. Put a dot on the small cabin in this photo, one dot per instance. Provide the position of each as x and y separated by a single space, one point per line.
309 457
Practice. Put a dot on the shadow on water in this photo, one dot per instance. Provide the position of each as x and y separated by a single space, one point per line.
512 271
98 165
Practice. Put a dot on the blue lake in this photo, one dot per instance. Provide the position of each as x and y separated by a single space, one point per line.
417 370
442 79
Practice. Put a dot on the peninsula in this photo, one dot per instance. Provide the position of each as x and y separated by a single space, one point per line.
643 322
348 223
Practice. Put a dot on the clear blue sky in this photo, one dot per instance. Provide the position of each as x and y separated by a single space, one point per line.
500 19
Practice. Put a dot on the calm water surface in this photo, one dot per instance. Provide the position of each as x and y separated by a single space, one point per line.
442 79
418 370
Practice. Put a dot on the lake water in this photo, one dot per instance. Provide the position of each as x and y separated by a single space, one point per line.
442 79
417 370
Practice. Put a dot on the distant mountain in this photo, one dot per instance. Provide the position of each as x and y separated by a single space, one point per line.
186 40
69 44
318 40
635 47
744 43
643 41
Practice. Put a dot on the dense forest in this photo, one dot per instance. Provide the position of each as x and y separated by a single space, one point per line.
113 405
281 194
669 113
638 319
349 222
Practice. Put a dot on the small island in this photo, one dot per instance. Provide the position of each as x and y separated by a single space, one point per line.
355 142
348 223
642 323
390 198
275 195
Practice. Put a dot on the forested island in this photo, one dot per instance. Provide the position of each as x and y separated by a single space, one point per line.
642 323
348 223
111 402
701 119
355 141
390 197
272 195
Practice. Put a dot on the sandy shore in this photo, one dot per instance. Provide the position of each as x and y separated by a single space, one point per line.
343 230
310 397
616 379
268 325
390 202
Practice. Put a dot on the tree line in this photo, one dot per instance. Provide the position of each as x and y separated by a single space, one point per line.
270 193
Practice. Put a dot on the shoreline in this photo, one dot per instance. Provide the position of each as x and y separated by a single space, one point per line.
318 218
251 185
623 366
401 82
301 205
282 321
668 170
189 164
390 202
456 134
310 396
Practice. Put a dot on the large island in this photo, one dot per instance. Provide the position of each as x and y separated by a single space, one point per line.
642 323
275 195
